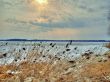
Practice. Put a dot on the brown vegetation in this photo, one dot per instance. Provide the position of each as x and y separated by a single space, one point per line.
81 70
108 45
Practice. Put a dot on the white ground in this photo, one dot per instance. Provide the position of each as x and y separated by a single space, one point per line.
14 50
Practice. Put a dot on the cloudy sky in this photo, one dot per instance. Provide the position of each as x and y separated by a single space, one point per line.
54 19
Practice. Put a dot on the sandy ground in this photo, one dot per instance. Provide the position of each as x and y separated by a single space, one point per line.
88 68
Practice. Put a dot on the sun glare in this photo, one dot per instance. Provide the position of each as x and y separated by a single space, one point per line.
41 1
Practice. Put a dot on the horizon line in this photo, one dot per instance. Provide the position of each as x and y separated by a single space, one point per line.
55 40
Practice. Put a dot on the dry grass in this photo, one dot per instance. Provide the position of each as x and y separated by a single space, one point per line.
108 45
82 70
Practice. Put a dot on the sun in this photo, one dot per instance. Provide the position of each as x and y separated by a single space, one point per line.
41 1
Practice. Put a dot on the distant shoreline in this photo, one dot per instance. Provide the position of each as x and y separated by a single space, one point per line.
56 40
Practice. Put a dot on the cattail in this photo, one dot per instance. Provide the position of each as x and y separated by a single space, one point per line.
68 49
72 61
50 44
5 54
24 49
67 45
75 48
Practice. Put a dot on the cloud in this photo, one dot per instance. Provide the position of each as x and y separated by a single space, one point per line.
69 24
65 32
60 18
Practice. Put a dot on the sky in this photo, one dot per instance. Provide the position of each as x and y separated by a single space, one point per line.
55 19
